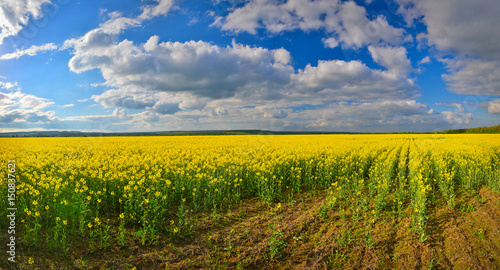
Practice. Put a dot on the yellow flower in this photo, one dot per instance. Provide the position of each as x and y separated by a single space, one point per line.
89 198
98 200
172 222
183 188
96 219
58 218
37 214
31 260
146 200
35 202
112 193
176 230
65 222
90 225
122 215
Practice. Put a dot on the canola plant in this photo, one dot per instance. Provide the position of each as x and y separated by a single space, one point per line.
98 186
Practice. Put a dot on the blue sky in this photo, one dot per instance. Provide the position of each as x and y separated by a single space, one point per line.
369 66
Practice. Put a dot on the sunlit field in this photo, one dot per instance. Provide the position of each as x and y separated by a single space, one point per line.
108 194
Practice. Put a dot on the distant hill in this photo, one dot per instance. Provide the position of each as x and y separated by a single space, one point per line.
158 133
492 129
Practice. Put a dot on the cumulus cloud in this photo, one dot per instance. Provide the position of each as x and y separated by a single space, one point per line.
165 107
151 11
493 106
353 80
375 111
463 27
107 32
196 72
467 31
393 58
15 14
330 42
16 106
472 76
199 82
8 85
31 51
457 117
373 116
424 60
119 98
345 21
197 67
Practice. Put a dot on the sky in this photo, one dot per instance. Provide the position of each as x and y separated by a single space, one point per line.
290 65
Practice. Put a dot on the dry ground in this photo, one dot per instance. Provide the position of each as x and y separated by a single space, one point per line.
316 237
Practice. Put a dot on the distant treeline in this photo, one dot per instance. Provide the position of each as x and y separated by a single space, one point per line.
493 129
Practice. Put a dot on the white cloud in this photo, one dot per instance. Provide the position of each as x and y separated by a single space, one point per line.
346 21
472 76
357 30
151 11
458 117
19 107
340 80
151 44
198 67
8 85
424 60
31 51
393 58
34 102
467 31
165 108
68 105
493 106
330 42
462 27
282 56
131 99
15 14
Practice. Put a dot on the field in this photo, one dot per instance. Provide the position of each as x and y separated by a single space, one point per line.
254 202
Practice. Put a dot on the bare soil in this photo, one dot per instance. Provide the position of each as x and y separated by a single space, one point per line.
316 237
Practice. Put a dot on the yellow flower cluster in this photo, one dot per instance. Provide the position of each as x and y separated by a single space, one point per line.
140 177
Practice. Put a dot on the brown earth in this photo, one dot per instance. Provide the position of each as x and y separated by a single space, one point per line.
316 237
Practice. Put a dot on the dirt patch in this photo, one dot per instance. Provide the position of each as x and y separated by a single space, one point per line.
308 235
